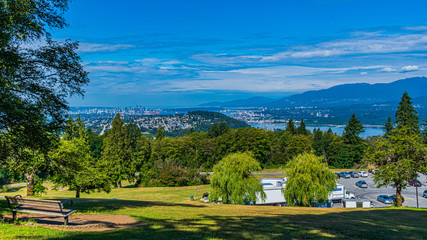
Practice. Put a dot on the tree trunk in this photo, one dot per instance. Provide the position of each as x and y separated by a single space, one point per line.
30 183
119 184
77 192
398 201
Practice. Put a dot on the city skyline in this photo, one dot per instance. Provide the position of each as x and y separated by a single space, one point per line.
168 53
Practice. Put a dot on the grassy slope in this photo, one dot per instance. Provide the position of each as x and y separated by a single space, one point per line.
171 215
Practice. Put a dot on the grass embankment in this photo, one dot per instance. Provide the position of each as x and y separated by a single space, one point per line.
171 215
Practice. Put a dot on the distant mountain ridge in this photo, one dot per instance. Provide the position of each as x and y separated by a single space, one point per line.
340 95
358 93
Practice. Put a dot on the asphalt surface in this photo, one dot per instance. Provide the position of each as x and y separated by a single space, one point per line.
372 191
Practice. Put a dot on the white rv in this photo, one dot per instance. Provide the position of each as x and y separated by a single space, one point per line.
272 188
339 193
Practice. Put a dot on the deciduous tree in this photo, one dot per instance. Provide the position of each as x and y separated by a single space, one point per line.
233 182
308 180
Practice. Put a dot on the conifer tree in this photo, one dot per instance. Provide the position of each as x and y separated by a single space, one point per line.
406 116
301 128
160 133
401 155
290 127
352 150
352 131
117 153
388 126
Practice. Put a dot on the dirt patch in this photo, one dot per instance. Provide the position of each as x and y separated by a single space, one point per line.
84 223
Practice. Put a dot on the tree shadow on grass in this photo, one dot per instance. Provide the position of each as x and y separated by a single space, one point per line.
100 206
359 224
14 189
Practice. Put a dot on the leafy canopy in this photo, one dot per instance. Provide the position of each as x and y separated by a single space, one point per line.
232 180
309 180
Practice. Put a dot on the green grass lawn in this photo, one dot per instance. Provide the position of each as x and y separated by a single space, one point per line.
171 215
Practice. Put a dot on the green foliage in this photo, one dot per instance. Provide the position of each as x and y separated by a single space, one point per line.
352 131
402 154
406 116
309 180
117 156
72 163
217 129
301 130
232 180
160 133
290 127
169 173
39 188
388 126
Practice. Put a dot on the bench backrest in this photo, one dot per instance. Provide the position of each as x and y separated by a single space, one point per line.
19 201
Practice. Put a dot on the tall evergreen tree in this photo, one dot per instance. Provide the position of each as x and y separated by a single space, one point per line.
352 131
401 155
160 133
352 150
388 126
290 127
301 128
406 116
117 153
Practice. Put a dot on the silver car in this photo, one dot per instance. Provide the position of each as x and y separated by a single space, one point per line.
363 173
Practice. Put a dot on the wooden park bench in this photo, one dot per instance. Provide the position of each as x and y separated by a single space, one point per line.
39 206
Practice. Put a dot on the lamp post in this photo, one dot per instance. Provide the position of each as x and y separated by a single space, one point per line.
416 192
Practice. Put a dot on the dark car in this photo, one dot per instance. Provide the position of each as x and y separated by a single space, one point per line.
362 184
384 199
354 174
344 175
393 197
425 194
414 182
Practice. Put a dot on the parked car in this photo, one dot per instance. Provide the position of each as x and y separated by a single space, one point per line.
338 174
414 182
354 174
393 197
363 173
344 174
361 184
384 199
374 171
425 194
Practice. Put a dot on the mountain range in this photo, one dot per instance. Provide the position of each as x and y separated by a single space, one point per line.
340 95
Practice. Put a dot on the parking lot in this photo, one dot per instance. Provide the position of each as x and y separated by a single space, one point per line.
372 191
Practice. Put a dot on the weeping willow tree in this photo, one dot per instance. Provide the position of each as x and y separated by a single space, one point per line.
309 180
233 182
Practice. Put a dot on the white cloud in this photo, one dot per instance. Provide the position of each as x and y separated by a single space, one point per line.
363 73
99 47
409 68
417 28
388 69
367 44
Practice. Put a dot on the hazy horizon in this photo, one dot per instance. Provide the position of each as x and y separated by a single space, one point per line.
168 53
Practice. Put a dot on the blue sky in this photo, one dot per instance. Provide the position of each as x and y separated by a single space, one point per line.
183 53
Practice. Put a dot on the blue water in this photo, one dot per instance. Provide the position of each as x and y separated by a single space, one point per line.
369 131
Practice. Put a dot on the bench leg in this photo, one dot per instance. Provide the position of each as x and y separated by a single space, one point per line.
65 221
13 216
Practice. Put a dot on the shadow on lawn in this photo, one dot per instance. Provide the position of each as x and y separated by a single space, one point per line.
373 224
